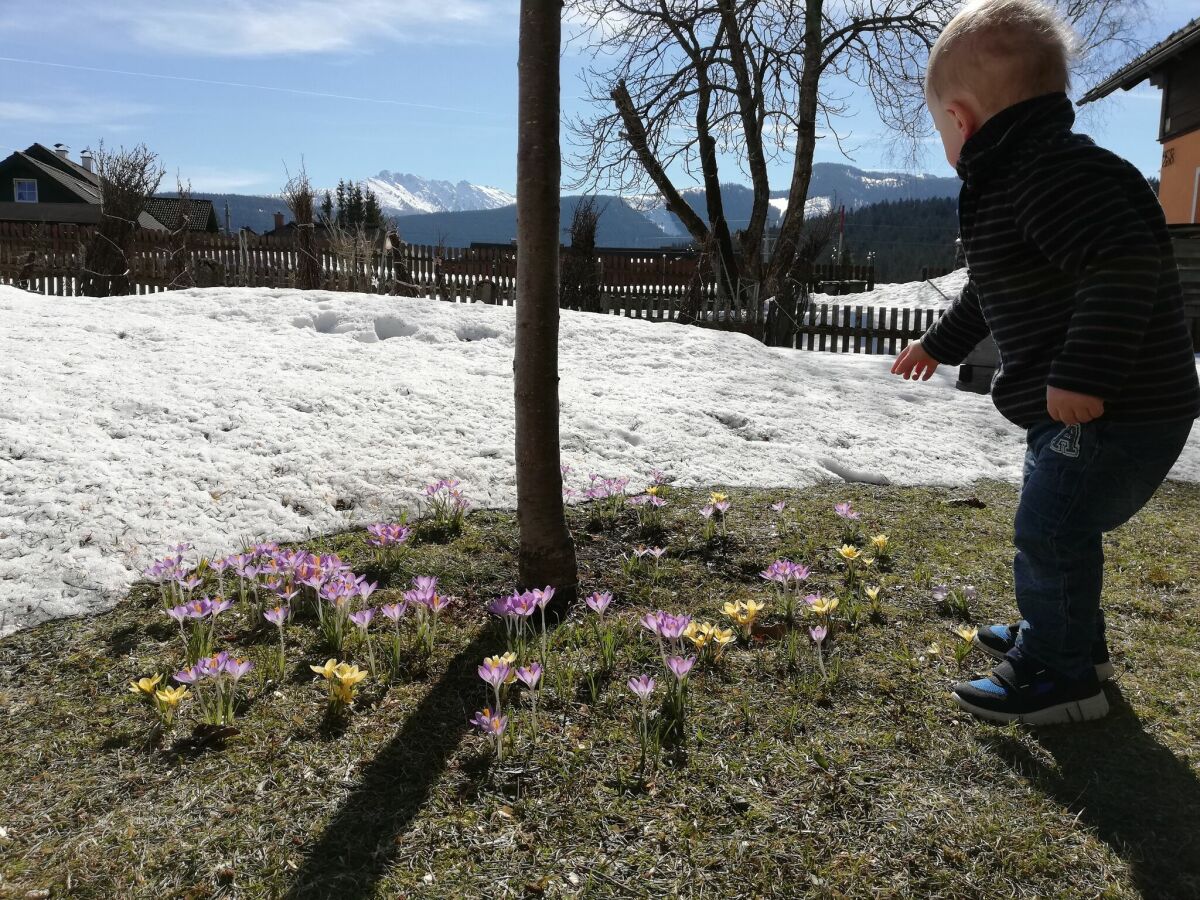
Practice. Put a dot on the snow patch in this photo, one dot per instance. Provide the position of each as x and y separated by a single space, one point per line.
233 414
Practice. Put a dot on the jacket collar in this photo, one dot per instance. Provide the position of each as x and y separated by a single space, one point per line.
1007 129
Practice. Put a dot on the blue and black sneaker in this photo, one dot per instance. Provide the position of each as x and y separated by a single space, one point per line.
997 640
1023 691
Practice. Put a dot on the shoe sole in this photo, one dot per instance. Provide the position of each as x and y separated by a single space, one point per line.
1086 710
1104 670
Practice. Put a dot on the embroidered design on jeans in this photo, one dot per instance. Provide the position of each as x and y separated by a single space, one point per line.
1067 442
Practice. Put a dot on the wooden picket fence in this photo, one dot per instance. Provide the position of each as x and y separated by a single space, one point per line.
846 328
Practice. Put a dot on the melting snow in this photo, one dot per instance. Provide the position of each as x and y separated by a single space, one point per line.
227 415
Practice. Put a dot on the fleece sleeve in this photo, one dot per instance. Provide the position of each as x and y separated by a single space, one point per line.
951 338
1077 214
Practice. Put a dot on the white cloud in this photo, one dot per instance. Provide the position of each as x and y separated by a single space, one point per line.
95 112
215 180
282 27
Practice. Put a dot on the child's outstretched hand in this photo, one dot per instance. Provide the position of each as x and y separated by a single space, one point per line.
914 362
1071 408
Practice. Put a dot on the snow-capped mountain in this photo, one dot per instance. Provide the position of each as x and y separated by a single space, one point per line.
401 193
832 183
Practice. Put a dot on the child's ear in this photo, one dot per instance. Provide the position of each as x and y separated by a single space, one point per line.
965 119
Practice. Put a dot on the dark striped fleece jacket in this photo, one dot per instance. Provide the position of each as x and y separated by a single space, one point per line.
1072 271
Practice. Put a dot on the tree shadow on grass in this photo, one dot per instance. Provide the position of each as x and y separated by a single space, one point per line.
357 845
1135 793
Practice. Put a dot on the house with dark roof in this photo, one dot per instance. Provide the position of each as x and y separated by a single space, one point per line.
44 185
1174 66
169 211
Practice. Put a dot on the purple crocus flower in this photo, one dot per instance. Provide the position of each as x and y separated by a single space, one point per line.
365 590
800 572
524 604
640 500
530 675
189 584
844 510
940 593
707 510
495 673
778 505
812 599
179 613
501 607
426 584
818 634
672 627
599 602
490 723
362 619
543 596
650 622
213 666
278 615
657 552
779 571
680 666
723 506
642 686
188 676
236 668
658 502
394 611
218 606
198 609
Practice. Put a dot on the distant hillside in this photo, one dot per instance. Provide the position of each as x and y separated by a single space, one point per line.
904 235
832 183
620 226
257 212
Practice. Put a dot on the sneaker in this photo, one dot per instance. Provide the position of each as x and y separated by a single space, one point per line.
997 640
1022 692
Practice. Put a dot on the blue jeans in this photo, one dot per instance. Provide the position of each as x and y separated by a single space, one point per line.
1080 482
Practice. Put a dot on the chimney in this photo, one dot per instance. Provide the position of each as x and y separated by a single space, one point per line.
87 160
279 221
62 150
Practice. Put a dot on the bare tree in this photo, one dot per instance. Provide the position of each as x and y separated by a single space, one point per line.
128 178
580 279
298 195
677 83
547 553
180 266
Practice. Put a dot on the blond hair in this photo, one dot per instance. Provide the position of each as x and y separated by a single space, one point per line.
1002 52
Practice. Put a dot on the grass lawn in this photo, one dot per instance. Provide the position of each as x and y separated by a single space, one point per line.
869 783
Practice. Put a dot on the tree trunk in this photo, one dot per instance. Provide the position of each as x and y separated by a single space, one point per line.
547 554
806 141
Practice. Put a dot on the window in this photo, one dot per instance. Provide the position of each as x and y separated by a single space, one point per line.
25 190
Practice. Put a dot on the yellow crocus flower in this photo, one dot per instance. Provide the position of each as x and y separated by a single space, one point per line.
872 593
718 498
825 606
733 610
509 657
653 491
753 608
967 634
327 670
723 636
348 674
145 686
880 541
849 552
172 696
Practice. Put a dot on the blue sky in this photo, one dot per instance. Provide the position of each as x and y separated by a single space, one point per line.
230 92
